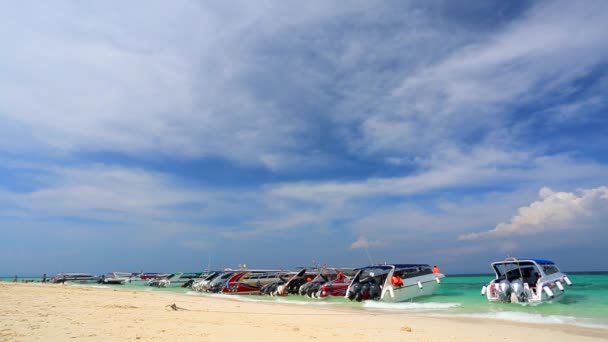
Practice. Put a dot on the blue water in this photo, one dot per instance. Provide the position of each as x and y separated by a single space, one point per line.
585 303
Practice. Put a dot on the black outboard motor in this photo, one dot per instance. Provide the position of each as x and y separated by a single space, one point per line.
366 288
295 284
217 288
374 291
303 289
188 283
313 288
354 291
271 288
365 291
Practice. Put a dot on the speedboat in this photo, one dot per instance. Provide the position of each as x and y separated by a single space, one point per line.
174 279
145 278
339 281
525 281
311 288
290 283
251 281
117 278
393 282
75 278
328 282
218 283
201 284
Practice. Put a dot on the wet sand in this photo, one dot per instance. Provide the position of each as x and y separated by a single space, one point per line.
35 312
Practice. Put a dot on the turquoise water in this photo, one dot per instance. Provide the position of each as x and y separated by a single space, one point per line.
585 303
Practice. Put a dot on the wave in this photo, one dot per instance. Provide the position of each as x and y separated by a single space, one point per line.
534 318
261 299
409 306
90 285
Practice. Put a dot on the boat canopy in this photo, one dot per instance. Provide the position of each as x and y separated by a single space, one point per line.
390 266
520 260
541 261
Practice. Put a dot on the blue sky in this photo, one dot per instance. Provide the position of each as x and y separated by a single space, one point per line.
169 136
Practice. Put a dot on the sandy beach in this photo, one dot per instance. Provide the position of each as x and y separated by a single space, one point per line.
34 312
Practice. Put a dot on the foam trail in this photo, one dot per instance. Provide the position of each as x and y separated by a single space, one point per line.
409 306
90 285
266 299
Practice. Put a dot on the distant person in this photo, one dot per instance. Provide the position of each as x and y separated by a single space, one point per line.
44 278
436 269
15 280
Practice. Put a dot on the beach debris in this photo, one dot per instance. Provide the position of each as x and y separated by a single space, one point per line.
175 307
405 328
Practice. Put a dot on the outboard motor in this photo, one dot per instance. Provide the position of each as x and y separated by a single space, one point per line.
314 288
358 295
274 288
354 290
295 284
265 290
374 291
517 288
302 289
504 290
217 288
365 291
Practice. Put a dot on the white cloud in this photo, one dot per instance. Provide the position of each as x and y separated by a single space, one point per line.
449 168
554 212
363 242
360 243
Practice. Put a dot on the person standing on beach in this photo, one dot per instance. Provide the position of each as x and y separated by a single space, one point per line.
44 278
15 280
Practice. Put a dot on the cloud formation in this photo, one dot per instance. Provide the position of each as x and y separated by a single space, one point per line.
555 211
202 124
259 86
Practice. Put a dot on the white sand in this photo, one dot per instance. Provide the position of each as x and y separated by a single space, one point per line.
54 313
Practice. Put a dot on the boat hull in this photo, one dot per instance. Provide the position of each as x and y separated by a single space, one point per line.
411 291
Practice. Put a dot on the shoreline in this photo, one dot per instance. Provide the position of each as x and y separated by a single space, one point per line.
35 311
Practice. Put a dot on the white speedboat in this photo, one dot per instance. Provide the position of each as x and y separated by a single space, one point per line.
525 281
175 279
394 282
216 283
118 278
202 283
75 278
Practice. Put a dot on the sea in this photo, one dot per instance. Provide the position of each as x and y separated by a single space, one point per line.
585 303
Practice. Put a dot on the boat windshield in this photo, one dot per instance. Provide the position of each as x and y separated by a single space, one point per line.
504 269
550 269
514 270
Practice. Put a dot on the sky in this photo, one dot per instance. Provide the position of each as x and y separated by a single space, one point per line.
177 136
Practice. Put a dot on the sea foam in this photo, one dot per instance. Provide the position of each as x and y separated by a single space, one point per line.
409 306
534 318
